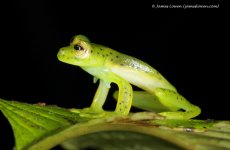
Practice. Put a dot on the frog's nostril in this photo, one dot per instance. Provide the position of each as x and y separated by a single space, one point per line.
61 51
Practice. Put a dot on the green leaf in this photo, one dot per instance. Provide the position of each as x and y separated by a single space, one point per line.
43 127
31 123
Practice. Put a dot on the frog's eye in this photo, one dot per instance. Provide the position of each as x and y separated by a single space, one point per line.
78 47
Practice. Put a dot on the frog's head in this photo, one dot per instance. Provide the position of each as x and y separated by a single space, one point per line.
77 53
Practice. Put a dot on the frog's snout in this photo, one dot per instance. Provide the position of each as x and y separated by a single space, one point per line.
61 53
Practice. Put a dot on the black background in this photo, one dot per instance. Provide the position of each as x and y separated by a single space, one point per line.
185 45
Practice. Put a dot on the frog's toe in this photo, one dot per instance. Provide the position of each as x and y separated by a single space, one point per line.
74 110
92 114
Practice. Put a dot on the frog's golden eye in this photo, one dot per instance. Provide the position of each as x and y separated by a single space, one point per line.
78 47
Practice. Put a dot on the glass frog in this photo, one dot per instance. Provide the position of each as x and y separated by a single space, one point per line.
111 66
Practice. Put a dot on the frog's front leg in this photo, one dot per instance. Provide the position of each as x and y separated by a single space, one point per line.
96 110
124 101
100 96
125 94
175 102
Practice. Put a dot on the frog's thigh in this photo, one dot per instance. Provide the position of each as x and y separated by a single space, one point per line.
174 101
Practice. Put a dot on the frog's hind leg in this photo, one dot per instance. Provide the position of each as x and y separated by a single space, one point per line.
180 107
146 101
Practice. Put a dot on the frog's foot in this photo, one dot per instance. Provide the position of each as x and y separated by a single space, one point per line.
186 114
91 113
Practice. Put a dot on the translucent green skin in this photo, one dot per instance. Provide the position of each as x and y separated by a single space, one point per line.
110 66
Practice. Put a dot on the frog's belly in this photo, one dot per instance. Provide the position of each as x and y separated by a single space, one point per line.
146 81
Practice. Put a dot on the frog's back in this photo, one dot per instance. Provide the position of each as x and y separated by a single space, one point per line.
138 73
